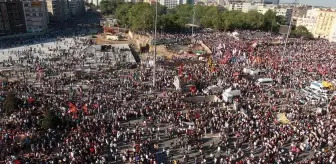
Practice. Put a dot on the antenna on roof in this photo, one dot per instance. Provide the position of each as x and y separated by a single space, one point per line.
296 2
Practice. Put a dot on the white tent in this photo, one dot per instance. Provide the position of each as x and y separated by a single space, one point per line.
177 83
212 89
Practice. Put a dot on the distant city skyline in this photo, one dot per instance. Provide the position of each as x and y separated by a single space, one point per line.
324 3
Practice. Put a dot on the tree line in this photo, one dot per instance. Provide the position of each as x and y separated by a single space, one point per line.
141 17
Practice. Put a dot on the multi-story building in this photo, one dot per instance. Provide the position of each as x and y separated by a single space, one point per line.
97 2
275 2
58 10
325 24
170 3
12 20
301 11
309 20
244 7
5 27
235 6
286 12
76 7
332 34
173 3
36 15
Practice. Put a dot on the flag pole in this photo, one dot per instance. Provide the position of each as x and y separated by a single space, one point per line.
155 39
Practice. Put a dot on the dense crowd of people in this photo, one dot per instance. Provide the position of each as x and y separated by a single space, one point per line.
111 114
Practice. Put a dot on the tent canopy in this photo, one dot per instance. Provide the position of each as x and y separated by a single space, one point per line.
281 117
191 25
326 84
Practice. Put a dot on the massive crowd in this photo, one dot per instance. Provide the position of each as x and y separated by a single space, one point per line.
110 114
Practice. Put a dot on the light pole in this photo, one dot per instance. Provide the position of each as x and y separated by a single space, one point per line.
288 33
193 23
155 42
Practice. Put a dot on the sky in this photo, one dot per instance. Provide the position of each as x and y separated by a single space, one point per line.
324 3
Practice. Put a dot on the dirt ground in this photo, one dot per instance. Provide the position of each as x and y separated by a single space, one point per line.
101 40
161 50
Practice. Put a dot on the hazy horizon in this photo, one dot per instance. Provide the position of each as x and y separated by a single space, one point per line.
324 3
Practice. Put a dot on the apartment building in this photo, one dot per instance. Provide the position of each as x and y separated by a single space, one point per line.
4 21
286 12
58 10
173 3
170 3
12 20
262 8
308 20
274 2
76 7
36 15
244 7
97 2
332 34
325 24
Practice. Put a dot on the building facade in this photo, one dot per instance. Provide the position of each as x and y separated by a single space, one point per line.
12 20
309 20
170 3
173 3
5 27
58 10
285 12
36 15
325 24
274 2
332 34
76 7
97 2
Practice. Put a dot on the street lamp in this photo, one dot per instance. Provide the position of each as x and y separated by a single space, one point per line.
193 22
288 32
155 42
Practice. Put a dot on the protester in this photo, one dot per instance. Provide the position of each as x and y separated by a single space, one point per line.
112 114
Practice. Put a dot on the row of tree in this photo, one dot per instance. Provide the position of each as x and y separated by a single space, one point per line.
141 16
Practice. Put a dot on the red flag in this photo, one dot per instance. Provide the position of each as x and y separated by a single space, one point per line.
193 88
180 70
95 105
189 76
17 161
72 108
31 100
85 109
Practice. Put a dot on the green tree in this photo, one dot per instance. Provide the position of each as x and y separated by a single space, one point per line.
301 31
51 120
207 19
281 20
121 13
184 14
11 103
255 20
270 22
141 17
168 23
108 7
91 5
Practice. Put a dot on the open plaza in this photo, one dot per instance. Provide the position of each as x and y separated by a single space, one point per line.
219 98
